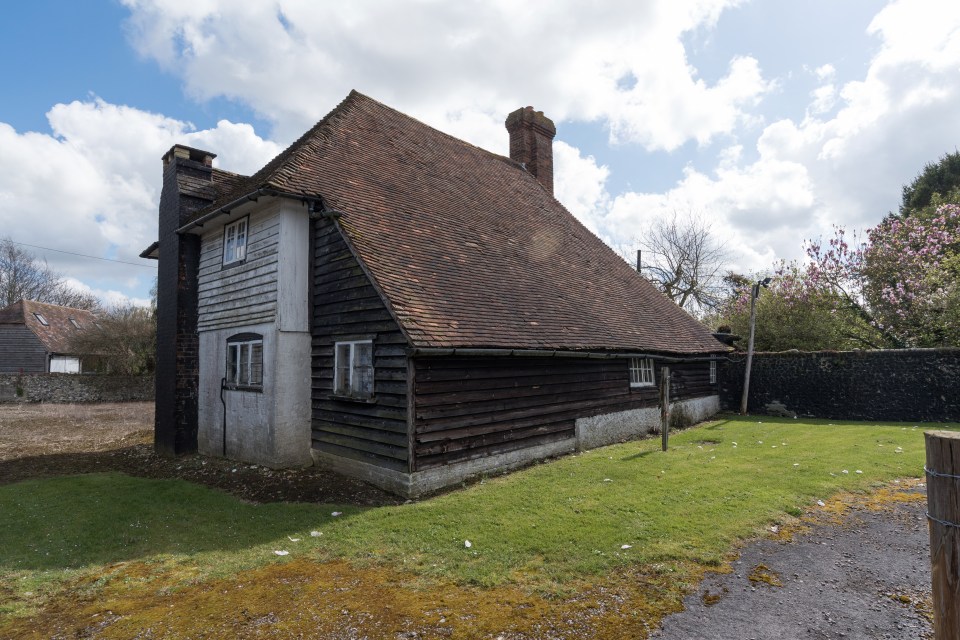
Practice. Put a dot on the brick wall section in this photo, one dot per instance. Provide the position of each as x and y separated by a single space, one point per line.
896 384
69 388
177 373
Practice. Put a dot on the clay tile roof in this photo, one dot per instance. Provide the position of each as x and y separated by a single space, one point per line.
58 331
467 247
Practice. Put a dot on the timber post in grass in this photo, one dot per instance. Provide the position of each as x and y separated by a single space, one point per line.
943 514
664 406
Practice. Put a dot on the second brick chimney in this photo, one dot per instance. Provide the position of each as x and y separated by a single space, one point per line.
531 142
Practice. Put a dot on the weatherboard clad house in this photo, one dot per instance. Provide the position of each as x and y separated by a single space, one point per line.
405 307
35 337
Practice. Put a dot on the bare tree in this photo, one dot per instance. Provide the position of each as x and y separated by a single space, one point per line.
684 260
122 341
24 276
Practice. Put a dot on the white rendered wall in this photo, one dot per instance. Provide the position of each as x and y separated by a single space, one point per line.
270 426
598 431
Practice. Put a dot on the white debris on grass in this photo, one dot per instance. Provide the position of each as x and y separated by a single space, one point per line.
467 544
820 503
281 553
315 534
624 547
337 513
293 539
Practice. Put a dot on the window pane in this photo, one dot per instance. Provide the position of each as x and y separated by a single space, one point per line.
233 351
341 383
647 371
256 363
228 244
241 249
243 377
363 369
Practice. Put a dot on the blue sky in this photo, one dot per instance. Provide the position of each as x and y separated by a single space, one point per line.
771 120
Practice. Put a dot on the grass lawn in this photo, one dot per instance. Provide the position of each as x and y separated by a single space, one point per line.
545 529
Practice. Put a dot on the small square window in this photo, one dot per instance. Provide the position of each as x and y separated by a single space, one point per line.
641 372
235 242
41 319
245 361
713 372
353 369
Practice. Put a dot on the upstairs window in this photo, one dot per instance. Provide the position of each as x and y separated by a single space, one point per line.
235 242
353 369
41 319
245 361
713 372
641 372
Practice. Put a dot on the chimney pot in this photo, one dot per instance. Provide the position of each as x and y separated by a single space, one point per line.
189 153
531 143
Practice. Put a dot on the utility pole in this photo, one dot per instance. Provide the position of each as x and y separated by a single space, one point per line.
754 294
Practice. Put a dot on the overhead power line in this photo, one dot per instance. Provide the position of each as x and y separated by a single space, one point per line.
83 255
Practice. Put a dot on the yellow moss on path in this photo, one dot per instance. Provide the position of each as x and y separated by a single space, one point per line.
306 599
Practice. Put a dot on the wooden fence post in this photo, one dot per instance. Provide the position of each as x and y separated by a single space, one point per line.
943 513
664 406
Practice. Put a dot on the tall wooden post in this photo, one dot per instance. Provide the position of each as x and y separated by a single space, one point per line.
664 406
943 510
754 292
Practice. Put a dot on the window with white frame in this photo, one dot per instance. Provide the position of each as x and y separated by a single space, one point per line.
641 372
353 369
235 242
41 319
713 372
245 361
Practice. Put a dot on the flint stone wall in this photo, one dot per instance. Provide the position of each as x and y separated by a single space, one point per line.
70 388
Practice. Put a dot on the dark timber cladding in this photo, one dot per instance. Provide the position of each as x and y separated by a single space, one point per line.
469 407
347 307
20 350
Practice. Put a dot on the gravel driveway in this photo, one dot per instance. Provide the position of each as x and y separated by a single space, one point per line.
865 576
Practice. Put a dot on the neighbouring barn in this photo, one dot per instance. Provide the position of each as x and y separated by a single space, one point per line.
403 306
35 337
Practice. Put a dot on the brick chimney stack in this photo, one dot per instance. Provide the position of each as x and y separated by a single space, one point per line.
531 142
187 188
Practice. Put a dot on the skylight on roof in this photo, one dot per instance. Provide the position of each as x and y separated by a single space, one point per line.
42 320
74 323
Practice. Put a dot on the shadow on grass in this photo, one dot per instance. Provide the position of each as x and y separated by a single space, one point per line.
70 522
641 454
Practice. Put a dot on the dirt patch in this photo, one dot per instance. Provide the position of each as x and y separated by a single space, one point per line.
42 440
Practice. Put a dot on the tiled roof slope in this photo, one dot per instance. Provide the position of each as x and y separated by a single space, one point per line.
467 247
56 336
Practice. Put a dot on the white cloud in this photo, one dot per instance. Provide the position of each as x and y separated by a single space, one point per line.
92 186
110 298
580 184
846 168
460 66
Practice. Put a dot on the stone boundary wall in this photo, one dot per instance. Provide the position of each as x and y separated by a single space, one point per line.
894 384
68 388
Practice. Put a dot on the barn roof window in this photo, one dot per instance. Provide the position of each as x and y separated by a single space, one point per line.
41 319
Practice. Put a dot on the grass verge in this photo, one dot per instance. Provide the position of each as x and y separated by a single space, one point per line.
546 529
